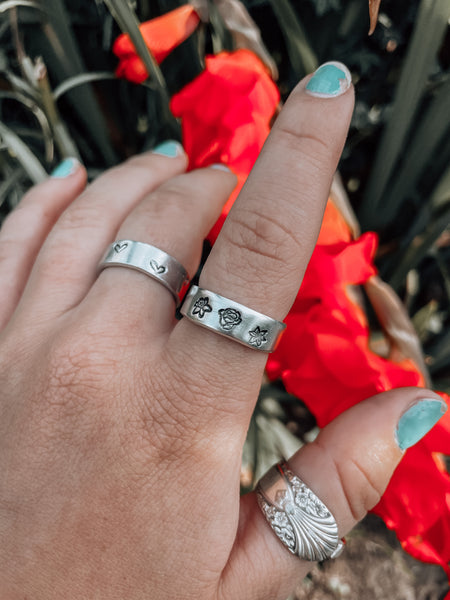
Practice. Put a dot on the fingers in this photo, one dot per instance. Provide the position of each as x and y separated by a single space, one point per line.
175 218
348 467
24 230
266 242
67 265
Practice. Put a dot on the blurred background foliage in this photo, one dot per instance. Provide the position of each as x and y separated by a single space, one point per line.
59 97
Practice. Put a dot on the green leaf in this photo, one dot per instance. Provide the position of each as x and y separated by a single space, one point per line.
302 58
433 125
19 150
9 4
63 59
40 116
431 24
82 78
416 252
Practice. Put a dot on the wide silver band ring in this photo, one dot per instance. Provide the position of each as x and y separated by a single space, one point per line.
149 260
297 516
231 319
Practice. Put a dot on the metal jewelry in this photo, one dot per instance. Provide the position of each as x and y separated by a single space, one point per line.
297 516
231 319
150 260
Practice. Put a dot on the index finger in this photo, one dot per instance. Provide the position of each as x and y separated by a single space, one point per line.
265 244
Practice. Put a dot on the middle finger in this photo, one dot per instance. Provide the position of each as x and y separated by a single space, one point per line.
265 244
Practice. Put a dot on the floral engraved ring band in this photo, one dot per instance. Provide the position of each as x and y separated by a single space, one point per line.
150 260
232 319
297 516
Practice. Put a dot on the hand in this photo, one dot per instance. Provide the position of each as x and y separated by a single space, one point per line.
121 430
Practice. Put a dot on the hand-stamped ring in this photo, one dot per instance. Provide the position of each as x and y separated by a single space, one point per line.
149 260
297 516
232 319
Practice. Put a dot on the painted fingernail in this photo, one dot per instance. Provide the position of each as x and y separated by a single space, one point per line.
331 79
169 148
221 167
65 168
418 420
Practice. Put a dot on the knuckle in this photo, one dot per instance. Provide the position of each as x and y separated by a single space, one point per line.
171 195
265 240
174 420
361 491
21 224
295 143
83 214
77 375
167 418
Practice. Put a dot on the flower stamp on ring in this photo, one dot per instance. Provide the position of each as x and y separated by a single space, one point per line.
229 318
201 307
258 337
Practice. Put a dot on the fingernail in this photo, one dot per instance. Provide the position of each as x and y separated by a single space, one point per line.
418 420
170 148
331 79
65 168
221 167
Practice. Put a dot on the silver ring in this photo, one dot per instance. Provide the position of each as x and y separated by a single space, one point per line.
149 260
297 516
231 319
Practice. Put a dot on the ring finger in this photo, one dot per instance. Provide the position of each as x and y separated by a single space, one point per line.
175 218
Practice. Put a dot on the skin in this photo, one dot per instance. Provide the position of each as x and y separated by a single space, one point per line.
121 430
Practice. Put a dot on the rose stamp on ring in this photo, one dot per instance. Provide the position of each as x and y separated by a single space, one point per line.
229 318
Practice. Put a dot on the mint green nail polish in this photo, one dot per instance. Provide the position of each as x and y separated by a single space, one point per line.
220 167
418 420
169 148
330 80
65 168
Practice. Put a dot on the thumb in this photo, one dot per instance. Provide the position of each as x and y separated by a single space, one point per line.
348 467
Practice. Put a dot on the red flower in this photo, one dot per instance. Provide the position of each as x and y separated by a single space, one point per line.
225 115
161 35
327 320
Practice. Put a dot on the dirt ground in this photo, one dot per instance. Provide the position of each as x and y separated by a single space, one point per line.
373 567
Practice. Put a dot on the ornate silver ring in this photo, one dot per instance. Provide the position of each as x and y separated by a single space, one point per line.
231 319
149 260
297 516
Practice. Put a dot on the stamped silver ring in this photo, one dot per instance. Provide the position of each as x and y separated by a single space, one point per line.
297 516
231 319
149 260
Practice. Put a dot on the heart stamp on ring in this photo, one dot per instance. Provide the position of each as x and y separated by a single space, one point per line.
120 247
158 269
